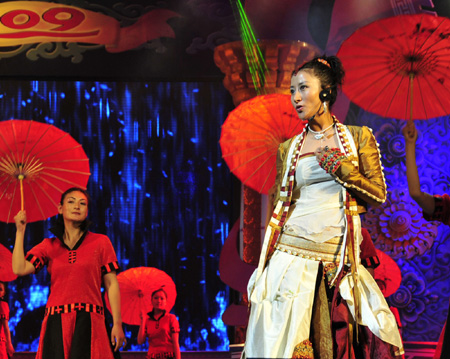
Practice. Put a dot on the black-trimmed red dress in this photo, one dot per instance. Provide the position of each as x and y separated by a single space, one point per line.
159 333
74 323
4 315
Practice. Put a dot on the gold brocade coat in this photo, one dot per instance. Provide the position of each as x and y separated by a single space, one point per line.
360 173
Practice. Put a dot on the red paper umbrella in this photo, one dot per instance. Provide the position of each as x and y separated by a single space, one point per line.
6 273
387 274
136 288
399 67
251 135
38 162
233 270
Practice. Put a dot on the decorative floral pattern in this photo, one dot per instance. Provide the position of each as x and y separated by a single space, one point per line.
304 350
415 302
398 227
422 299
391 142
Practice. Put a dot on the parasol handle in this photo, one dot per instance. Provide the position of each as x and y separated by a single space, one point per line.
21 177
411 82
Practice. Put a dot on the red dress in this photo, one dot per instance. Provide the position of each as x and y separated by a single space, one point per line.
442 214
159 333
4 315
74 324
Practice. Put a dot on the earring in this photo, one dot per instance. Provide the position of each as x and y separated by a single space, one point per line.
325 107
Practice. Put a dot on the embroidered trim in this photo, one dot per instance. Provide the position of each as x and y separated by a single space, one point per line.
344 140
35 261
370 262
74 307
303 350
110 267
72 257
165 355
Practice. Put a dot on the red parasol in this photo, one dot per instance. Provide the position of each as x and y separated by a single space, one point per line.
399 67
38 162
251 135
388 273
233 270
6 273
136 288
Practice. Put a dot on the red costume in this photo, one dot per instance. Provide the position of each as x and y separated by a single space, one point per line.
4 315
159 333
74 325
442 214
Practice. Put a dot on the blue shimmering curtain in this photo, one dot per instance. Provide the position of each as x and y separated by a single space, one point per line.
160 190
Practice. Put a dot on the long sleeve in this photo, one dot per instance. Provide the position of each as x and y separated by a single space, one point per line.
366 181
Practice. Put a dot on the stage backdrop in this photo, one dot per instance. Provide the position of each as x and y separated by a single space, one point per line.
160 191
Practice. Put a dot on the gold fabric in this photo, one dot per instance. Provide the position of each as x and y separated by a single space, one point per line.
321 323
365 181
327 252
303 350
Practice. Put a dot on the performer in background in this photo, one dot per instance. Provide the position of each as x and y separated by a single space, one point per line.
79 262
309 278
161 329
435 208
6 347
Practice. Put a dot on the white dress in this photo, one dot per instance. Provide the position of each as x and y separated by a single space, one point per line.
282 298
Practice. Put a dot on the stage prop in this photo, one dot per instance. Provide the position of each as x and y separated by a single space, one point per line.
251 135
399 67
276 61
388 273
136 288
6 273
38 162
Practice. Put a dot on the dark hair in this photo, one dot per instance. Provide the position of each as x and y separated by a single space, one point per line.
330 72
60 220
159 290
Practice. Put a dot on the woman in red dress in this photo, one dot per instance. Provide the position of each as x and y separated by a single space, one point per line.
435 208
6 347
79 262
161 329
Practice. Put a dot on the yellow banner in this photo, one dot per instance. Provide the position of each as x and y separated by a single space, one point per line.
27 22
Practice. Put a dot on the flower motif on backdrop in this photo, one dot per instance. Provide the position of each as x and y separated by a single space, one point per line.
392 147
412 298
392 144
398 228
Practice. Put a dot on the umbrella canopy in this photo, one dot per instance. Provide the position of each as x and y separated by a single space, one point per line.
136 288
399 67
387 274
233 270
38 162
6 273
251 135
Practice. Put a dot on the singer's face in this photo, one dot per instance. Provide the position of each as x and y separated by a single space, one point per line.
305 89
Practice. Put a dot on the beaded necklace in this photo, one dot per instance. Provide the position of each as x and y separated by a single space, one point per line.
318 135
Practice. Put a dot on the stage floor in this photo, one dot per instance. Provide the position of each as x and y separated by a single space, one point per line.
414 350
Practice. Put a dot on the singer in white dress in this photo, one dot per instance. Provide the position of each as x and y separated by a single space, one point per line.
310 296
